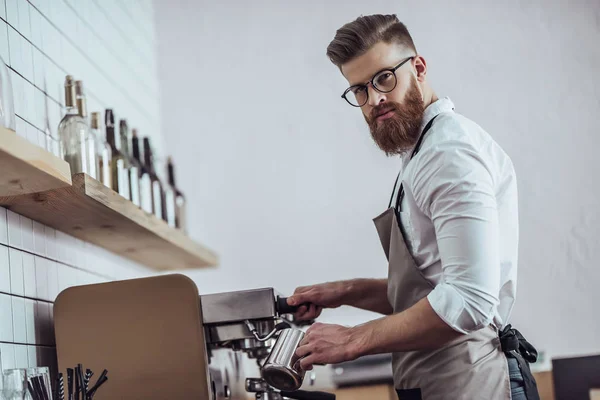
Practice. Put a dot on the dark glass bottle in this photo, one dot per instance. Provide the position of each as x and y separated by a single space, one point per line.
180 204
133 167
144 176
118 163
157 190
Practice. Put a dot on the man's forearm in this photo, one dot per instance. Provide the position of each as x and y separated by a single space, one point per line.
417 328
369 294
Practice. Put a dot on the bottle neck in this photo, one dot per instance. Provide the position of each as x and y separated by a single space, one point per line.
171 173
110 138
135 144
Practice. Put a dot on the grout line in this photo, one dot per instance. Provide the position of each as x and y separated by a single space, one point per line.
143 56
29 123
91 29
135 22
34 85
27 297
57 260
108 78
49 346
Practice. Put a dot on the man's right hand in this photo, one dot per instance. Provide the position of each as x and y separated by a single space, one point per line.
312 299
366 294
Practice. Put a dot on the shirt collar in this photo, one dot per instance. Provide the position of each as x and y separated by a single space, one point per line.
439 106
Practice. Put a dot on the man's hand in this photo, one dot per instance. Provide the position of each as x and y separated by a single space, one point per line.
366 294
312 299
327 344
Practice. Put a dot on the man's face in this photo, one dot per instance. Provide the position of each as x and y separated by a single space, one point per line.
394 118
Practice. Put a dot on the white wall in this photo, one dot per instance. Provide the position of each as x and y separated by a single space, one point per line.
283 178
108 44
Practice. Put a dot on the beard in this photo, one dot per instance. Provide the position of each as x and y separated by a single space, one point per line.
399 133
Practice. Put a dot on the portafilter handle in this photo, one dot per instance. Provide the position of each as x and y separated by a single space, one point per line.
284 308
308 395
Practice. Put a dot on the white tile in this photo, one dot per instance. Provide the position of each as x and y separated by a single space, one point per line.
21 128
4 270
36 29
7 351
41 278
32 137
24 22
27 224
50 242
39 235
32 356
4 50
3 9
43 143
30 320
3 226
6 323
21 359
61 246
52 280
14 44
19 324
14 228
67 277
16 272
12 12
40 107
29 284
52 330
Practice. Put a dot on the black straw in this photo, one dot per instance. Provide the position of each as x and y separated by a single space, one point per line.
70 383
82 382
32 391
99 383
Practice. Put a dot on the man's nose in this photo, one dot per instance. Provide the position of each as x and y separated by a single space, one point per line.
375 97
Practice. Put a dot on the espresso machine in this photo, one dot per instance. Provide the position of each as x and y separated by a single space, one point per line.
254 325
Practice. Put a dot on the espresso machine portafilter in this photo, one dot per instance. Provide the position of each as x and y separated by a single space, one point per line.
259 324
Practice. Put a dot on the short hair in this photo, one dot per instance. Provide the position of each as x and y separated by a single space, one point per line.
357 37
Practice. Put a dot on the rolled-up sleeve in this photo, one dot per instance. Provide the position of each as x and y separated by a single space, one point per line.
455 188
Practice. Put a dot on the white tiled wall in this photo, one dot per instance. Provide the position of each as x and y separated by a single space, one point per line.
109 44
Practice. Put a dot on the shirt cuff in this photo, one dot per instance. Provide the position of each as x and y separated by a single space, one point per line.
450 306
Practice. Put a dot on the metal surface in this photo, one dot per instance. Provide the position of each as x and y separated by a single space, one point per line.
237 331
281 369
222 308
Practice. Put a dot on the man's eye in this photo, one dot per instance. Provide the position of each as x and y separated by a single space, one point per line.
384 78
359 90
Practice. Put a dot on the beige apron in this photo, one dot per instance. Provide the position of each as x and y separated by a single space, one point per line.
470 367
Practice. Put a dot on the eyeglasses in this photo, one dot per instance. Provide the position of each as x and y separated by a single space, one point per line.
384 82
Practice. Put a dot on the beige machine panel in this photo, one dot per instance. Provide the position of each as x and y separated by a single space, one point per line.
146 332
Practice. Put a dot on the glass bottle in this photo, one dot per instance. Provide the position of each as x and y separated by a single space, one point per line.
74 133
118 163
7 105
133 167
145 179
91 145
157 190
105 152
180 203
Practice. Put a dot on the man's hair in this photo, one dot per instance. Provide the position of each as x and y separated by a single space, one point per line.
357 37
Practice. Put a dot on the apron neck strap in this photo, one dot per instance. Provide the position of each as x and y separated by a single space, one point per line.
415 151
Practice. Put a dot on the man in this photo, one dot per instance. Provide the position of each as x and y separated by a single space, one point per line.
450 234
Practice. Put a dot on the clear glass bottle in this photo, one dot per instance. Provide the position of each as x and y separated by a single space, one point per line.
118 163
145 176
7 105
132 166
105 152
74 134
180 203
157 189
91 143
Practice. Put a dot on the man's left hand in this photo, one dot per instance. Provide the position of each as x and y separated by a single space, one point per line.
327 344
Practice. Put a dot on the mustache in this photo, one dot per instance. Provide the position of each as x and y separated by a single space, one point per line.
382 109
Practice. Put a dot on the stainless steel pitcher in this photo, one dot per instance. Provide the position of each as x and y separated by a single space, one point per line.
282 369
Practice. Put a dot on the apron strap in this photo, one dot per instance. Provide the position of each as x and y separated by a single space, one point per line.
415 151
515 345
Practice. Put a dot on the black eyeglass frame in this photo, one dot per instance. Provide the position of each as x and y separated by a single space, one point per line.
372 82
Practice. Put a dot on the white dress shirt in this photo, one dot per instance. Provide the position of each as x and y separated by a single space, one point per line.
460 219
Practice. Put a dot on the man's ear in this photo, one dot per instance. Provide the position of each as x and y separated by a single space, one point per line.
421 68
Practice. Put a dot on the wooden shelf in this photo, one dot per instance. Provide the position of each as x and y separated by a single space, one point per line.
26 168
92 212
